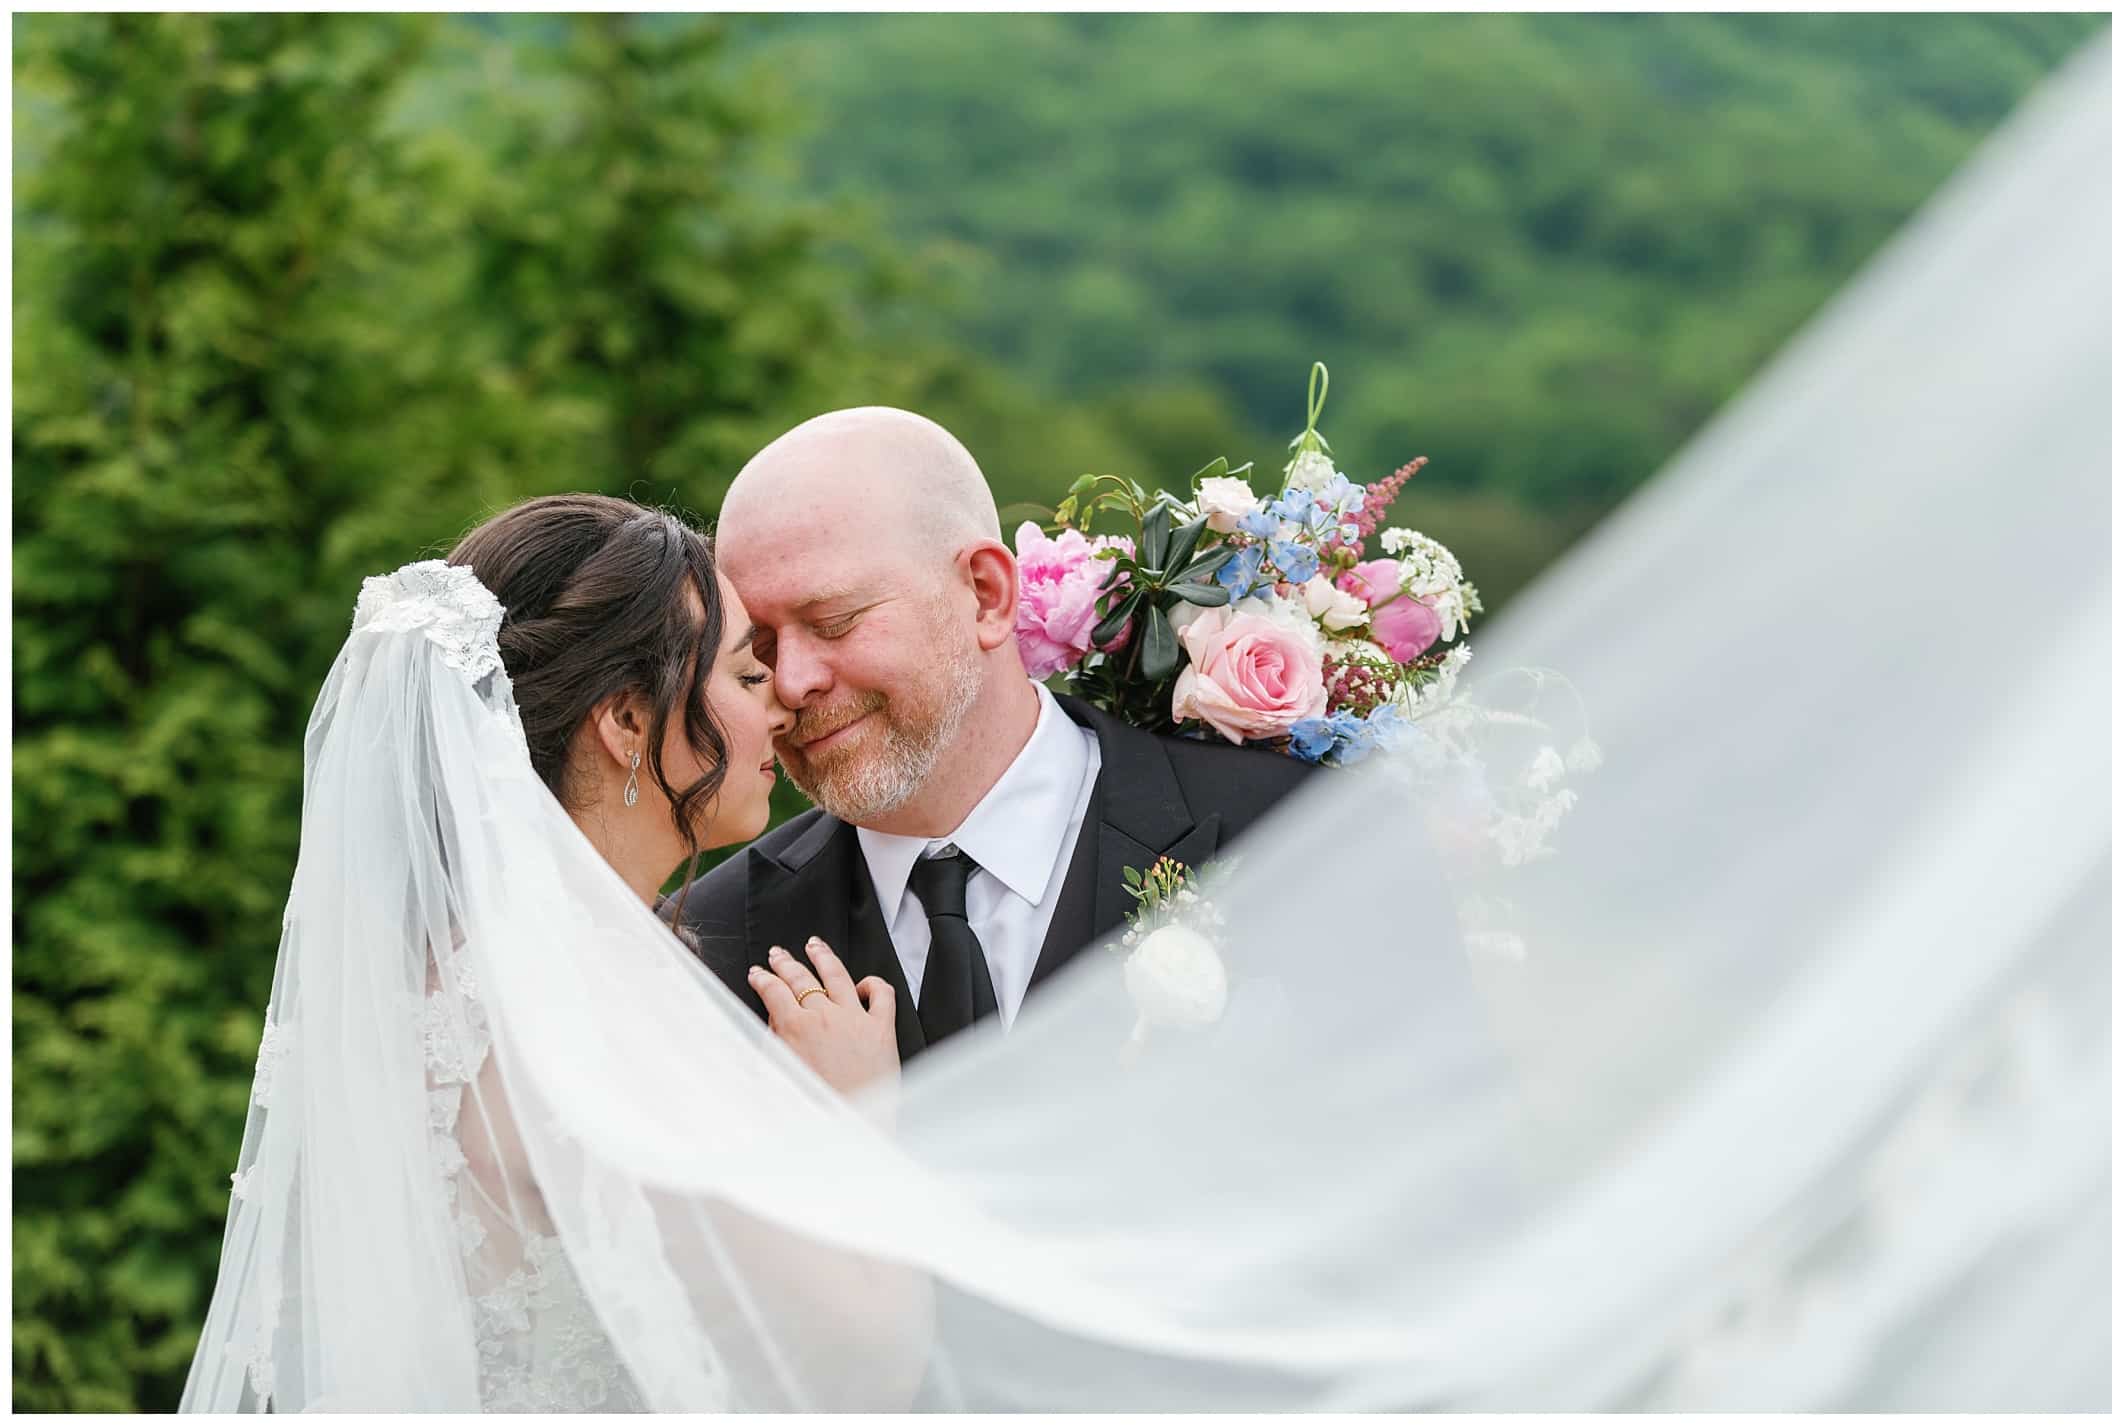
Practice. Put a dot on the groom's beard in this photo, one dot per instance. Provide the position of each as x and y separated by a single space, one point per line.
890 759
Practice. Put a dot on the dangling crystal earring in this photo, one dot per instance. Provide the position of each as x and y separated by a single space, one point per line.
634 789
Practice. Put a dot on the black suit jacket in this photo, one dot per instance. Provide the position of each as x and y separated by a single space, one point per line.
1155 796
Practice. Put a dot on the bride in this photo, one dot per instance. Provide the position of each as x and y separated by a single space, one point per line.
625 679
1804 1101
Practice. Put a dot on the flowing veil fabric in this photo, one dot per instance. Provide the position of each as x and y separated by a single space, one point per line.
1796 1098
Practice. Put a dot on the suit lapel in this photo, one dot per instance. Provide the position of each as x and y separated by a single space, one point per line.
1136 815
819 886
1119 851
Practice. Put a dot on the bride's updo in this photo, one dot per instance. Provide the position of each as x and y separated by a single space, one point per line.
594 591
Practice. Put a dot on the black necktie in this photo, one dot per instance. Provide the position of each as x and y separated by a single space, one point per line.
955 985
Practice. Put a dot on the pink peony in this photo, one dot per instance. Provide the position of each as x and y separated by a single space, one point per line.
1405 628
1058 595
1402 626
1248 676
1375 582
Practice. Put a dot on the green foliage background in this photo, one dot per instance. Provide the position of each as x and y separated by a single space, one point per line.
299 298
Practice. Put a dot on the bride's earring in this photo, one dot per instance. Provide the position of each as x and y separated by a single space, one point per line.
634 788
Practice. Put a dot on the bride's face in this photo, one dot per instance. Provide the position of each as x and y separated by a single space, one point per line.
741 695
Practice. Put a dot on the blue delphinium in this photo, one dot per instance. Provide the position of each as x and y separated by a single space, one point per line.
1312 739
1298 507
1241 573
1294 561
1344 498
1342 738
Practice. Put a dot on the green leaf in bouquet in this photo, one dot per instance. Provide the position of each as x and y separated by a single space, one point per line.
1114 575
1157 534
1206 564
1183 546
1161 648
1081 484
1213 596
1212 471
1109 628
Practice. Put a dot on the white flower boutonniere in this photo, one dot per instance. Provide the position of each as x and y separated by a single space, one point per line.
1171 966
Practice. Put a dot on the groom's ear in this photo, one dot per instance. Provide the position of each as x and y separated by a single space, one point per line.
992 572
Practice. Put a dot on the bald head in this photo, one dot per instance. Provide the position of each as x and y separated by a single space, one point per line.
865 548
914 483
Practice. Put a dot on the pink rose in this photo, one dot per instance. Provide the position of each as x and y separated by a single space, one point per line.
1058 595
1374 581
1405 628
1248 676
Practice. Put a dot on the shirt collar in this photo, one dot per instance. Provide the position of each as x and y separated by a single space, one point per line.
1016 831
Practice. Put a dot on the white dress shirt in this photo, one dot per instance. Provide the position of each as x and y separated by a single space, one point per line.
1022 835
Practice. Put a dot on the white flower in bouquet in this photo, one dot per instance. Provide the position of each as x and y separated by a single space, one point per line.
1452 611
1427 567
1276 608
1335 609
1268 604
1525 838
1224 498
1308 470
1183 614
1175 977
1546 770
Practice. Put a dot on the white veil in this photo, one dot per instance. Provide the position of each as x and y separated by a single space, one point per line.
1797 1098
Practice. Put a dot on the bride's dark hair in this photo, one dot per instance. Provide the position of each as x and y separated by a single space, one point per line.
593 590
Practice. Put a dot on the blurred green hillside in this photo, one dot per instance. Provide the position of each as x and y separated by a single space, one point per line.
299 298
1539 249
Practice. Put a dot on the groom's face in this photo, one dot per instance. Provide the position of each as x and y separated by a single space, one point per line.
868 651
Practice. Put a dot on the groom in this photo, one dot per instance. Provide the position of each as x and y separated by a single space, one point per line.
972 828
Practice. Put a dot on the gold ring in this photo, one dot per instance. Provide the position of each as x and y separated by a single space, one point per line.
815 990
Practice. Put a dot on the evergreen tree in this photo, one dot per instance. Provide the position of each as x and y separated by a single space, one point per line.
197 410
647 269
277 329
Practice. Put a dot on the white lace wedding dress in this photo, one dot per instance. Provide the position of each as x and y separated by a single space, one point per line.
541 1347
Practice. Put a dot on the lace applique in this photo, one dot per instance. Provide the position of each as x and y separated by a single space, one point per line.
505 1310
471 1232
443 1106
252 1347
445 602
455 1044
541 1346
273 1047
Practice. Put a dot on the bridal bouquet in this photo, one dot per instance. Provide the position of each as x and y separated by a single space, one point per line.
1258 618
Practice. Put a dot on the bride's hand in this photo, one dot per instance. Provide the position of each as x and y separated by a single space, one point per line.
843 1030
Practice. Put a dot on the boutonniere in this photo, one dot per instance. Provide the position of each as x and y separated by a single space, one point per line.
1170 961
